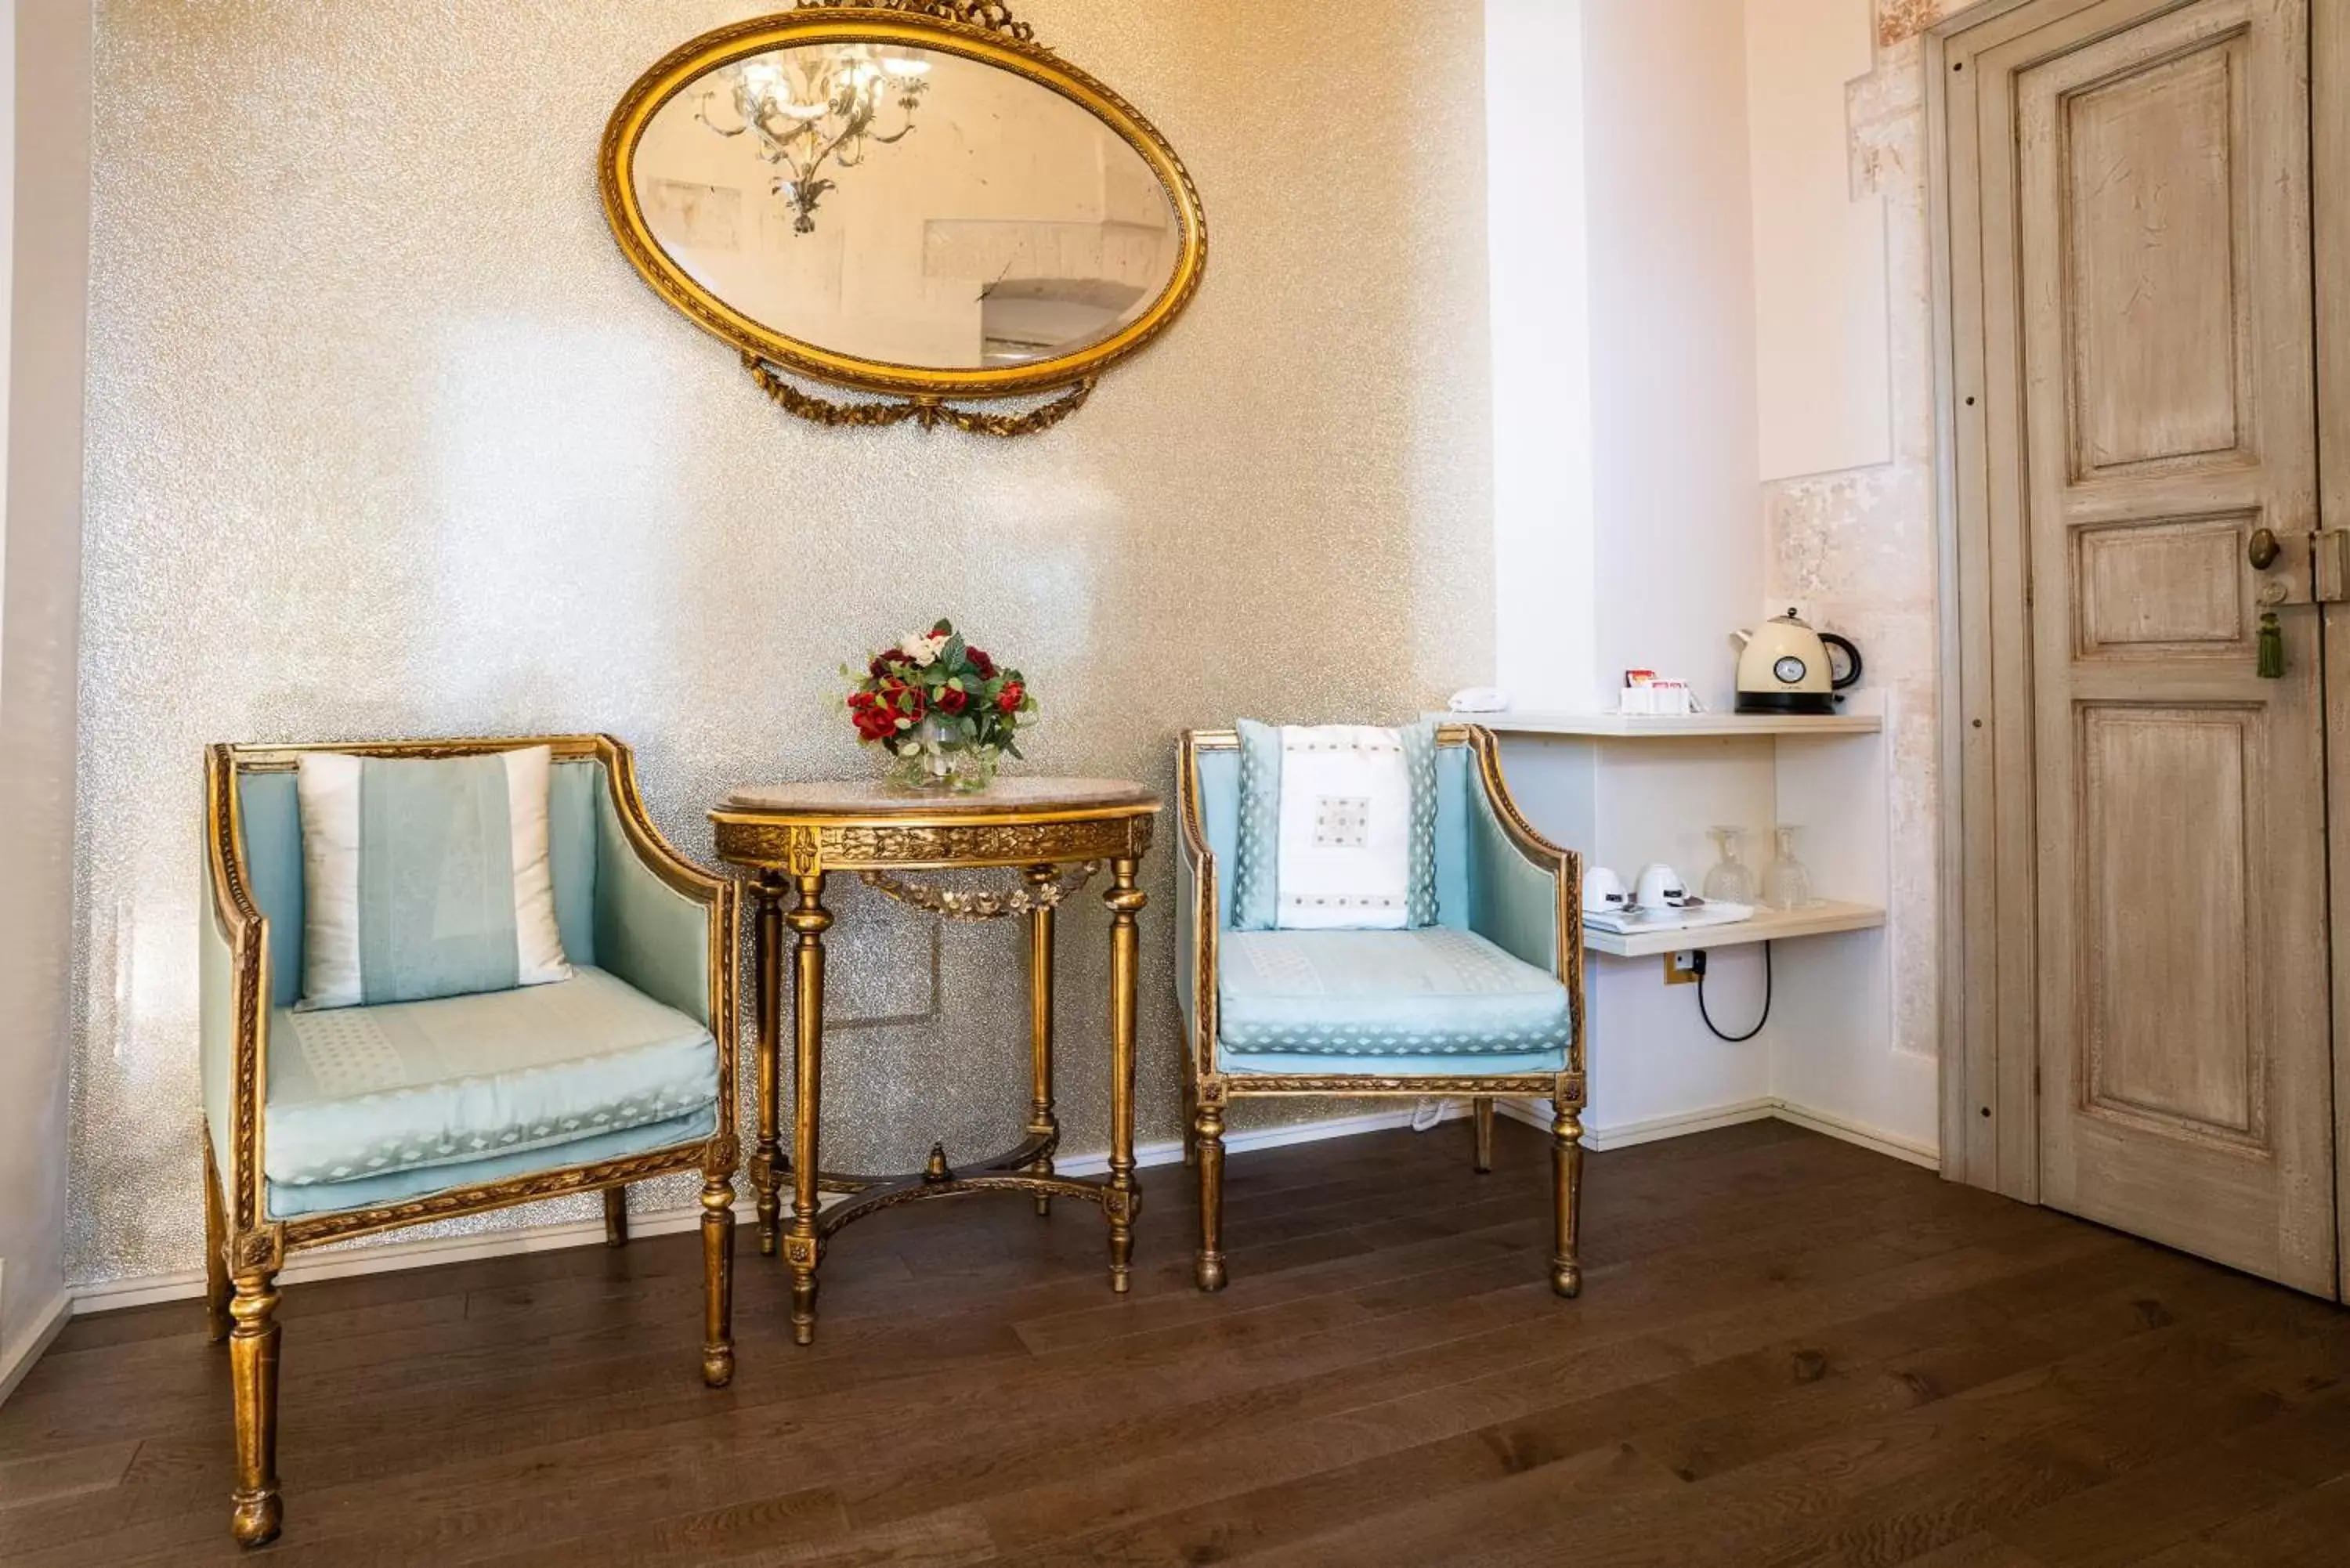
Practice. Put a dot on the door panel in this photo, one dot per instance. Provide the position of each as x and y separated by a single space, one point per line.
2169 1034
2163 942
2157 321
2164 590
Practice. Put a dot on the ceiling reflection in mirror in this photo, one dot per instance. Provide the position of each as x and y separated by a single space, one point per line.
906 206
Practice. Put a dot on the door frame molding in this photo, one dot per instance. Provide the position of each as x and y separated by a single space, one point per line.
2329 99
1989 1124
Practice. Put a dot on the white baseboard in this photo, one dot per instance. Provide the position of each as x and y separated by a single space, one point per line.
1625 1135
188 1284
1876 1138
18 1359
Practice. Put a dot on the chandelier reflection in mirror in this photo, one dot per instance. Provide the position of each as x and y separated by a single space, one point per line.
810 109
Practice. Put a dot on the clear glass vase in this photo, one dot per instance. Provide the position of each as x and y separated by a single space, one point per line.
1732 880
933 758
1786 885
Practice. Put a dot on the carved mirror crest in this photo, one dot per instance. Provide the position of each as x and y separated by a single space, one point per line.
911 199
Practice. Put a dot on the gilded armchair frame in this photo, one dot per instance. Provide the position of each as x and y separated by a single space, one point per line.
245 1248
1209 1092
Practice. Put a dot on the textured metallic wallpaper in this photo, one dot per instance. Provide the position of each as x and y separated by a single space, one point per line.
386 438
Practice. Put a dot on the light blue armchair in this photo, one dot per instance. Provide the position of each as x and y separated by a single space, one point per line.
320 1127
1488 1001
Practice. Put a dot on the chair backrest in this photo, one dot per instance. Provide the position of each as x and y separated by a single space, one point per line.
1217 787
271 819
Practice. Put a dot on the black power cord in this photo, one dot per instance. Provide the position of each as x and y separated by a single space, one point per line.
1698 963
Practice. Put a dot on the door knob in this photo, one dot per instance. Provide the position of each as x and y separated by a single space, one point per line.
2266 549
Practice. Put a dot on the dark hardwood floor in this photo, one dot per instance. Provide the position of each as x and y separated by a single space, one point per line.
1789 1351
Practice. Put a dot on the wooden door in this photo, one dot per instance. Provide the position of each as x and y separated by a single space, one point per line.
2159 915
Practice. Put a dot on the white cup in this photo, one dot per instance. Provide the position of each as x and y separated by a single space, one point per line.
1661 887
1602 890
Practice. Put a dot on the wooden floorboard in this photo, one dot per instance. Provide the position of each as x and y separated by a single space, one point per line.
1789 1351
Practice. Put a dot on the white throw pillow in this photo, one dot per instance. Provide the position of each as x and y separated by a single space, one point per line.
1344 853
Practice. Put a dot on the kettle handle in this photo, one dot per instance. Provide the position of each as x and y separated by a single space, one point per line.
1850 652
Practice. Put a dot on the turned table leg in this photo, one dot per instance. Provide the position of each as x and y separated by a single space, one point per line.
1124 1200
1042 1122
810 921
768 985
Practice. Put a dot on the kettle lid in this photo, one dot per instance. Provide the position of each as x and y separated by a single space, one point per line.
1791 618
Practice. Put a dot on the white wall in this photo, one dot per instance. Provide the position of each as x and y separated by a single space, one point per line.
1627 522
40 562
1823 349
1690 287
1546 642
1679 519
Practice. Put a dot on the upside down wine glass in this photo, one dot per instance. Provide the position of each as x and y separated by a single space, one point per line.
1786 885
1732 880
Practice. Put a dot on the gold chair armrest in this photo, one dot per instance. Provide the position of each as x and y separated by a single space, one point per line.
1502 827
1198 927
234 987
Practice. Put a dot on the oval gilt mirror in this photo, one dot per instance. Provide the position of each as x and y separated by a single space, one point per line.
904 197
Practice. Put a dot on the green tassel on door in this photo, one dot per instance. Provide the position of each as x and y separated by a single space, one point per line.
2272 647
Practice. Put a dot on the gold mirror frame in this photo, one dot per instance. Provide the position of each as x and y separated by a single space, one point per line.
978 30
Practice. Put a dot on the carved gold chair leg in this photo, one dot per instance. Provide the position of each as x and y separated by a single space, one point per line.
1567 1176
718 1277
217 1285
1484 1106
1209 1128
253 1370
615 1217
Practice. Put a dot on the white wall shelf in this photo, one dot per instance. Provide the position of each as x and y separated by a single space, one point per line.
1767 926
1697 726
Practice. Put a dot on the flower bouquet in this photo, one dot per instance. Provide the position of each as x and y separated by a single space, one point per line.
944 711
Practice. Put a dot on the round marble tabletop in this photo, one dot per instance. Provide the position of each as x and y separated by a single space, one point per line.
869 800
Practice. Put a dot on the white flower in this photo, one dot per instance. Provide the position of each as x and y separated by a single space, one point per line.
922 650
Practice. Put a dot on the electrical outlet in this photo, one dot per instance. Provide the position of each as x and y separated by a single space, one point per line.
1684 968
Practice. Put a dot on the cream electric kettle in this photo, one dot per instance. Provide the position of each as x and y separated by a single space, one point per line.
1788 668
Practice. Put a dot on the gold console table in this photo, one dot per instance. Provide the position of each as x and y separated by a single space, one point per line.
1057 834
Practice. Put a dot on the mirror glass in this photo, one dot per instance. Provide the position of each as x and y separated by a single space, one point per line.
899 204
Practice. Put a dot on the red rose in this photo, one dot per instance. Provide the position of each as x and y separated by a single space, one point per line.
980 662
952 699
902 700
1013 695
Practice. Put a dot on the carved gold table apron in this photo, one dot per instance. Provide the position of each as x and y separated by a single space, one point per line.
790 839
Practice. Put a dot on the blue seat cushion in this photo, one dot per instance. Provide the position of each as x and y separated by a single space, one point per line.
363 1093
1437 995
291 1201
